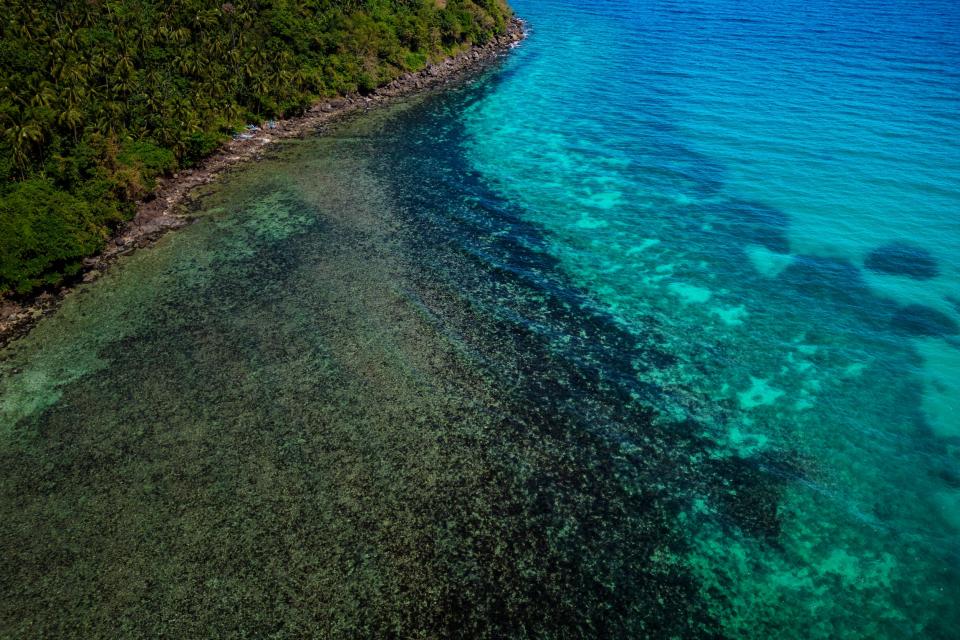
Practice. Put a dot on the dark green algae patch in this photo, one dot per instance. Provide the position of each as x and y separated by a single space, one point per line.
351 401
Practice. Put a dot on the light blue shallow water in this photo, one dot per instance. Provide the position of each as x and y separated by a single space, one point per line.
775 187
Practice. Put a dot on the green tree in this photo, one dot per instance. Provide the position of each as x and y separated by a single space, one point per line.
85 79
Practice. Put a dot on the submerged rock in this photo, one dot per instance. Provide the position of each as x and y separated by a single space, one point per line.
903 259
920 320
954 302
755 223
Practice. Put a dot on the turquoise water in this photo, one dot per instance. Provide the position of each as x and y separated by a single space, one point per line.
651 330
725 171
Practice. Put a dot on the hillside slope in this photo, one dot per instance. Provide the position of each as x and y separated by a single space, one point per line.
99 97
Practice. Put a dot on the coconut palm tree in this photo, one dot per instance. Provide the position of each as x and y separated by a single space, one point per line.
24 136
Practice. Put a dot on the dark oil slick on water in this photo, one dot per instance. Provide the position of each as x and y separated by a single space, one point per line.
388 387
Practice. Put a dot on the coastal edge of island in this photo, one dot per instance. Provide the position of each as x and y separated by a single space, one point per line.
162 210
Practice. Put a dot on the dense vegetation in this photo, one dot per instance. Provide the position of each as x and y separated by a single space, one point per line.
99 97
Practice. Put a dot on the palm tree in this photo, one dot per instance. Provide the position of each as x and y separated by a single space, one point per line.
24 137
71 117
44 95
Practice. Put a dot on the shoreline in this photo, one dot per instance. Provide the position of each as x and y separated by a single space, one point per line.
161 211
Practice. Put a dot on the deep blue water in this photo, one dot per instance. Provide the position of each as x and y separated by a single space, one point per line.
650 330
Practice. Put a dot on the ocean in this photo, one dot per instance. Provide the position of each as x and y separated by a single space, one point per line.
652 329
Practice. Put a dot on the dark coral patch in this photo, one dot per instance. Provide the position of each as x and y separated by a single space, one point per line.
903 259
830 282
919 320
751 491
954 302
755 223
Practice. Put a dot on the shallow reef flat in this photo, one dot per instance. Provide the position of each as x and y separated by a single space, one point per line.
291 418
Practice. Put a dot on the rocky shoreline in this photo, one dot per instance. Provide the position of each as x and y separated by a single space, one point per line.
163 210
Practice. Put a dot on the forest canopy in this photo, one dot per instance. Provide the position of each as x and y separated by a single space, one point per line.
99 97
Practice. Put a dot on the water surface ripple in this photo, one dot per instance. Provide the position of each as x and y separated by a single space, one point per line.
650 331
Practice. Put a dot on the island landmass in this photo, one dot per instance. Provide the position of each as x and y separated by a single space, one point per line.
98 159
